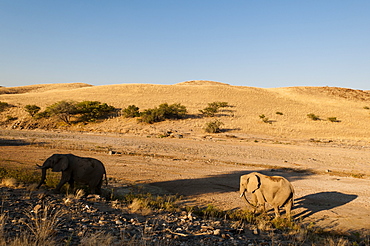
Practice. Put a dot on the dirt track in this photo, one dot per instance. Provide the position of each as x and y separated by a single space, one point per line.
207 169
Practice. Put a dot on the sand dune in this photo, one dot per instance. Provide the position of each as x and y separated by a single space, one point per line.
248 103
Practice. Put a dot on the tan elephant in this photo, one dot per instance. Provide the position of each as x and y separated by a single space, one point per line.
275 190
83 170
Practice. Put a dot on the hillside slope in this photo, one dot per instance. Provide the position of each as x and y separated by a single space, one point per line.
242 119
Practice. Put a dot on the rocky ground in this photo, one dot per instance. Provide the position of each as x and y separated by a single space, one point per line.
91 220
330 180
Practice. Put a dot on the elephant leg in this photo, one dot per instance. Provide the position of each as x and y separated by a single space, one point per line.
98 187
288 207
277 212
65 178
71 183
59 186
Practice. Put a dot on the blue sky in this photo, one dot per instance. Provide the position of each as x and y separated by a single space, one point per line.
240 42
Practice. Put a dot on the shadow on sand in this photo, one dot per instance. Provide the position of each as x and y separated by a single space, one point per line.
321 201
222 183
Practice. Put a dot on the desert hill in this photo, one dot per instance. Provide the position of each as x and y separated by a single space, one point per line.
285 108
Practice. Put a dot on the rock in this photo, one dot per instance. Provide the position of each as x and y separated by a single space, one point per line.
217 232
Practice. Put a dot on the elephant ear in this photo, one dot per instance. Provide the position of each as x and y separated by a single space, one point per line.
60 164
253 183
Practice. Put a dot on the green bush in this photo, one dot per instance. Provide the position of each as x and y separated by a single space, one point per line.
213 126
333 119
313 117
43 114
32 109
131 112
92 110
264 118
64 110
151 116
3 106
213 108
163 112
173 111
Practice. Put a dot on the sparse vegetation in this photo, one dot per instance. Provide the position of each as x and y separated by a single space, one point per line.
333 119
10 118
213 126
279 113
313 117
163 112
64 110
213 108
92 110
32 109
3 106
265 119
131 112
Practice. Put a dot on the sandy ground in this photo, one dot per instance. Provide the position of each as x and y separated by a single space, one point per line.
206 170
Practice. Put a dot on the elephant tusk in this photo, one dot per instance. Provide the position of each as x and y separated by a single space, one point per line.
242 194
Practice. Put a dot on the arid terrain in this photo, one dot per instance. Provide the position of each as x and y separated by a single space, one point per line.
327 162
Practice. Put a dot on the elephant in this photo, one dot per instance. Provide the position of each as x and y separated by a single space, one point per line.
83 170
275 190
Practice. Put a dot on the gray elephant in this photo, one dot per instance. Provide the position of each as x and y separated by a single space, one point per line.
275 190
83 170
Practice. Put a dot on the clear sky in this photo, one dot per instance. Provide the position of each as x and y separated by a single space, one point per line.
258 43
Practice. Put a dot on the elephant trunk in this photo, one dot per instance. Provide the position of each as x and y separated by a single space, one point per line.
242 193
43 176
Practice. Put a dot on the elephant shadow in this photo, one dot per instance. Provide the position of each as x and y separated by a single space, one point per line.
321 201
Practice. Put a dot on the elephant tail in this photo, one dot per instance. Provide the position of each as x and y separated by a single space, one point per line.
106 179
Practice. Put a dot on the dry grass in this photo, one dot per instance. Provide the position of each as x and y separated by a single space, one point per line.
43 222
9 182
247 104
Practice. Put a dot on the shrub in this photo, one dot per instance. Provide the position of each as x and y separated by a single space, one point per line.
173 111
131 112
3 106
213 108
92 110
333 119
32 109
313 117
209 111
164 111
264 118
11 118
213 126
151 116
63 110
279 113
43 114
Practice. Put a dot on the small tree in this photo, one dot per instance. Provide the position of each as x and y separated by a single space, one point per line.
32 109
131 112
92 110
64 110
213 126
